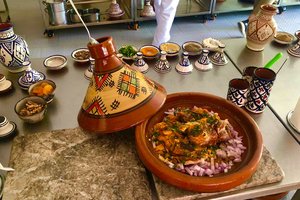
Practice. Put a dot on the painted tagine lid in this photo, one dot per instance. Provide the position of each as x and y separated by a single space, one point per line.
118 96
30 76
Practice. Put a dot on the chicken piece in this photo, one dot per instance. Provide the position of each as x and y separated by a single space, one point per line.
201 134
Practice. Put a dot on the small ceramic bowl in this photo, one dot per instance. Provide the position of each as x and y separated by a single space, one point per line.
192 47
81 55
31 109
7 128
171 48
45 89
55 62
284 38
5 85
149 51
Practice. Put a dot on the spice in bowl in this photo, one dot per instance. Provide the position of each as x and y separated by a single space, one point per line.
31 108
149 51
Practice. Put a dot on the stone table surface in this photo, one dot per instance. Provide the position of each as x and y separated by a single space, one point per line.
69 164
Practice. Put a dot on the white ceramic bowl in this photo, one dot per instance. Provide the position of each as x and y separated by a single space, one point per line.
38 89
55 62
284 37
34 118
81 55
125 57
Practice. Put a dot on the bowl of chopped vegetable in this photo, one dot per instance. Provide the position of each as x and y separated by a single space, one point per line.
128 52
200 142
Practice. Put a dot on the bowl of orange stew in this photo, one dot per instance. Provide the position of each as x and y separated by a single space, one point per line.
149 51
200 142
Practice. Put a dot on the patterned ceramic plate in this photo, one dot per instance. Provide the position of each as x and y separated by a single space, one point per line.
284 38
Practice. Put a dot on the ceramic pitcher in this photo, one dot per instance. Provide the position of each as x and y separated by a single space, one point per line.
13 49
262 28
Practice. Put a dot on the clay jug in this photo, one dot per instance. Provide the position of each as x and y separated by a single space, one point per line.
118 97
261 28
13 49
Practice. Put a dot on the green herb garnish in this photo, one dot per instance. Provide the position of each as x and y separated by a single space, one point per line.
127 51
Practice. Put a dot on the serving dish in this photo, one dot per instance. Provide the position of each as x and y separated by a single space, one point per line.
171 48
81 55
55 62
284 37
192 47
239 119
149 51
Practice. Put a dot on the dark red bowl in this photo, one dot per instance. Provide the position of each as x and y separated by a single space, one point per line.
239 119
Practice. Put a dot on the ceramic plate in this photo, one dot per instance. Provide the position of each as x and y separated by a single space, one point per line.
238 118
12 128
55 62
192 47
81 55
171 48
284 38
7 86
212 44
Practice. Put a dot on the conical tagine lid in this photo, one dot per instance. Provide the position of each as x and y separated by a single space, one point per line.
118 96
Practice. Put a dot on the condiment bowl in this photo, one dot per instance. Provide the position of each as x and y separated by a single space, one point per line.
81 55
171 48
31 109
241 122
55 62
192 47
149 51
45 89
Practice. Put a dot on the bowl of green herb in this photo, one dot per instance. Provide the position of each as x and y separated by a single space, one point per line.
128 52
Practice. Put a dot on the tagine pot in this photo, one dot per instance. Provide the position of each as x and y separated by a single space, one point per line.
261 28
13 49
118 97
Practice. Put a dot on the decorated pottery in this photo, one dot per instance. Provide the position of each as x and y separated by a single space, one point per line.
184 66
162 65
29 77
118 97
114 10
5 85
88 74
218 57
7 128
13 49
295 50
139 63
237 91
148 10
261 28
260 89
203 63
